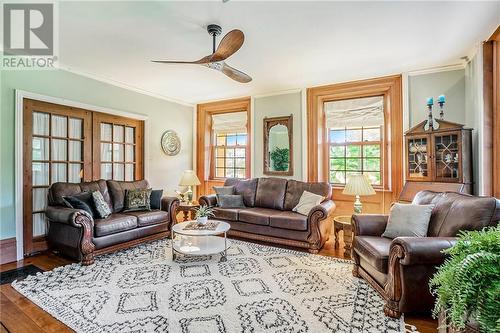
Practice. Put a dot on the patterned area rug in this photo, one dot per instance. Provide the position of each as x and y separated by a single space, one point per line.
258 289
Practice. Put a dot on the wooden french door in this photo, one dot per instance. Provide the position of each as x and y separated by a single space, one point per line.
67 144
57 148
117 147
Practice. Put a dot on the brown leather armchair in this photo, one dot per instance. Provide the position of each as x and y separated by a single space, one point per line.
400 269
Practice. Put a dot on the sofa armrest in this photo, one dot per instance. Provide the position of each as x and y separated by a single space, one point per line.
422 250
209 200
67 215
169 205
322 211
369 224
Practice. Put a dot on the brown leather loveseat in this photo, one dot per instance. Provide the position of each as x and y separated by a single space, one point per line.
400 269
268 214
74 233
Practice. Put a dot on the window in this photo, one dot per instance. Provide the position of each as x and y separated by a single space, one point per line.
353 151
230 155
117 152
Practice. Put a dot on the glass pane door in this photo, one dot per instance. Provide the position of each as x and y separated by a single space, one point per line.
447 157
418 157
57 156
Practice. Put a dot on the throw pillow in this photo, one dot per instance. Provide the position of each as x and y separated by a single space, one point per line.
230 201
137 199
223 190
101 206
408 221
155 199
76 202
307 202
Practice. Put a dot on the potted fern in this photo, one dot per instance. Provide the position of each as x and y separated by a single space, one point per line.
203 213
467 285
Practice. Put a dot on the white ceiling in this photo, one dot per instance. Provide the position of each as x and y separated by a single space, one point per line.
288 45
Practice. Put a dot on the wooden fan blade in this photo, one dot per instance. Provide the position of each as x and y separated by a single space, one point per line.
231 43
204 60
235 74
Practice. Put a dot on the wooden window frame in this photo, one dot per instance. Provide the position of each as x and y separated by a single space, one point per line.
390 88
204 139
213 173
361 143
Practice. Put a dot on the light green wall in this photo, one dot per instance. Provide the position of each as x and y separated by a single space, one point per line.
448 83
276 106
164 171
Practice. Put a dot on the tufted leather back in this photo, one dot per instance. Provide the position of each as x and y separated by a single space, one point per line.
117 190
58 190
457 211
271 193
294 190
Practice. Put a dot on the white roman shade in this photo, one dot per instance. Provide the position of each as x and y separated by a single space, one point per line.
367 111
229 122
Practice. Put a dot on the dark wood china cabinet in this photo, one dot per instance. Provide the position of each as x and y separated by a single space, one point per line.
439 159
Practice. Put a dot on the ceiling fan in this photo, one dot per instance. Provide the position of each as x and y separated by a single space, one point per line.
231 43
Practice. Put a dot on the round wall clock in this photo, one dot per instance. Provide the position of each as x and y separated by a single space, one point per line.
170 143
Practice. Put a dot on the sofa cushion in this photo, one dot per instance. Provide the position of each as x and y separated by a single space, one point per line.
374 250
288 220
247 188
294 190
271 193
113 224
149 217
58 190
230 214
456 211
256 215
117 191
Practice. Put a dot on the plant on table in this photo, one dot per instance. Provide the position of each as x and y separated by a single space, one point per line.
203 213
467 285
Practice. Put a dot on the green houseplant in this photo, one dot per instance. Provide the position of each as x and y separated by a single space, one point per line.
280 158
203 213
467 285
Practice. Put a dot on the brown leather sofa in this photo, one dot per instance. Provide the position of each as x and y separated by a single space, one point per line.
74 233
400 269
268 214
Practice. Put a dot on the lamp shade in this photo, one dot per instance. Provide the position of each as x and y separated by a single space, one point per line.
189 178
358 185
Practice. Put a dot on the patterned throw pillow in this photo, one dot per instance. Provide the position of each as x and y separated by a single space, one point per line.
230 201
138 199
101 206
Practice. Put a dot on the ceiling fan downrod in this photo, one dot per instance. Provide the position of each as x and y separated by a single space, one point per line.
214 30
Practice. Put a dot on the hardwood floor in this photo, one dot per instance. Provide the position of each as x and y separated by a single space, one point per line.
18 314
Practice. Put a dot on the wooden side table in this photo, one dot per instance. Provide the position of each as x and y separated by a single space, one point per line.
188 210
343 223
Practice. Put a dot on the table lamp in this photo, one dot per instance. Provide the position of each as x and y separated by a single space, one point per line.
189 179
358 185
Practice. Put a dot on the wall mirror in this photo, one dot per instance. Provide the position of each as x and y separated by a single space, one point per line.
278 148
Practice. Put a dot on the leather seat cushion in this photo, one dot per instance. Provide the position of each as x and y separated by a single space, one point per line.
113 224
256 215
289 220
145 218
229 214
375 250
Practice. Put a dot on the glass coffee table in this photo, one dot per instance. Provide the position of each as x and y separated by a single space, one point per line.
200 242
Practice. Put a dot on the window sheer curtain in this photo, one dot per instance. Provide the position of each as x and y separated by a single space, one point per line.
367 111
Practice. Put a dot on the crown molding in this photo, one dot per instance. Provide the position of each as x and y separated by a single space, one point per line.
276 93
438 69
119 84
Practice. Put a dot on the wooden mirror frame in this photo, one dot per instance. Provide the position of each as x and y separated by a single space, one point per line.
268 124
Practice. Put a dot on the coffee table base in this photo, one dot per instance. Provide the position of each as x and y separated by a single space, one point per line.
200 246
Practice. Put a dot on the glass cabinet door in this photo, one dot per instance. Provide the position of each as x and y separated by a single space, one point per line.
418 157
447 159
